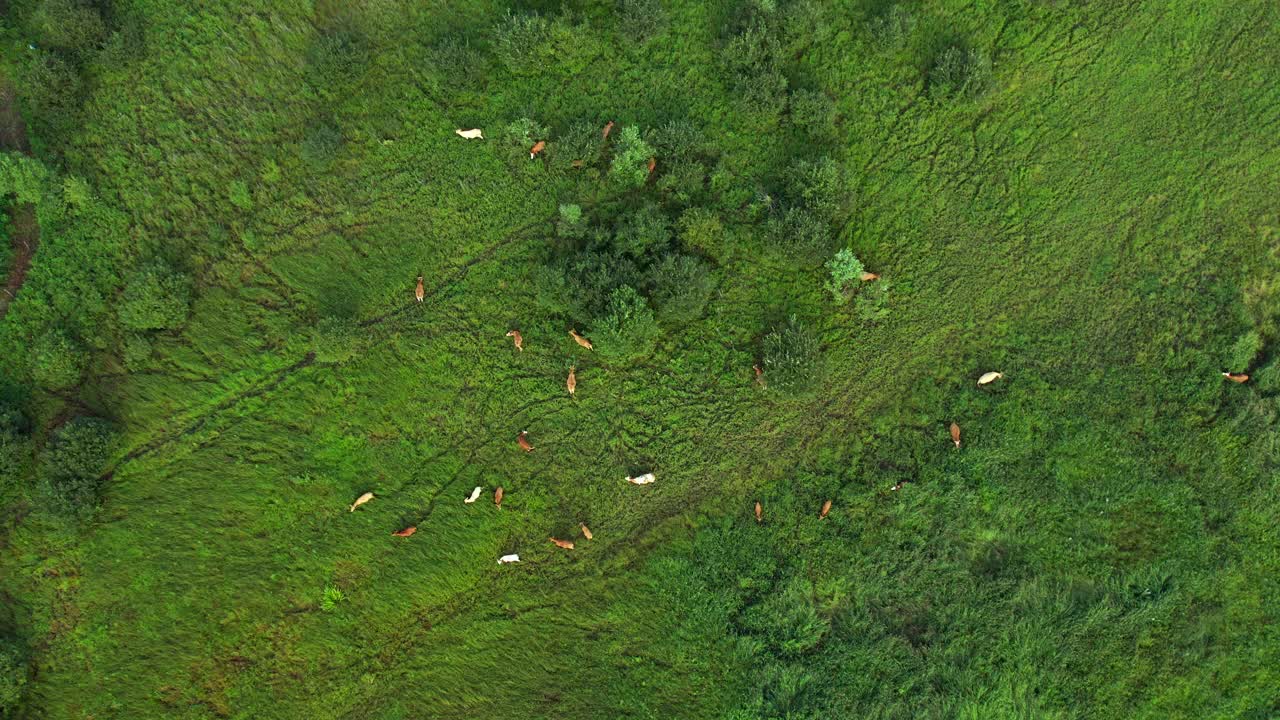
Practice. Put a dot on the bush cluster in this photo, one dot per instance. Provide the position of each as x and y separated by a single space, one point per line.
792 358
72 465
156 297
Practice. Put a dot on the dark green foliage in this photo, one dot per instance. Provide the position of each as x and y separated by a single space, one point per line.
792 358
639 20
644 229
57 361
137 351
872 301
571 225
683 152
627 331
51 90
892 27
338 57
959 72
701 229
156 297
527 43
75 26
631 154
802 234
335 339
321 144
680 288
581 144
813 113
818 186
13 676
1243 351
72 464
15 445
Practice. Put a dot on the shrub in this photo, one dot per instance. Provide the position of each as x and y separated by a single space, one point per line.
57 361
238 193
959 72
892 27
73 463
845 268
591 277
640 20
628 329
680 288
801 234
792 358
526 44
871 305
137 350
52 89
813 113
643 229
817 185
337 56
630 166
1243 351
581 143
321 145
701 229
156 297
680 145
331 598
13 676
15 445
72 25
335 339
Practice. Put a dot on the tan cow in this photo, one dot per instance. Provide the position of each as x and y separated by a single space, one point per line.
572 382
955 434
523 441
581 340
565 544
586 531
497 497
420 292
406 532
537 148
604 134
759 512
990 377
472 134
516 338
869 276
826 508
361 500
1236 377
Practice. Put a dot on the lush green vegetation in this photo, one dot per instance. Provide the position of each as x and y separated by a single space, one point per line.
217 349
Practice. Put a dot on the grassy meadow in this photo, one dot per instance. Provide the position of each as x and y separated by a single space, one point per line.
217 348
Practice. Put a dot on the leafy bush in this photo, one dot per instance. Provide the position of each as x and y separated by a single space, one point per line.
571 224
52 90
813 113
335 339
801 234
701 229
642 229
872 302
630 166
26 178
640 20
331 598
681 147
321 144
792 358
13 676
73 463
817 185
15 445
72 25
845 268
136 352
628 329
892 27
959 72
581 143
57 361
680 288
1243 352
337 56
156 297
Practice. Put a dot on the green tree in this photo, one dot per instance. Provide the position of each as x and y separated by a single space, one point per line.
15 444
646 228
792 358
72 25
335 339
959 72
322 143
818 186
13 676
680 288
155 298
57 361
571 225
628 329
631 154
845 268
72 465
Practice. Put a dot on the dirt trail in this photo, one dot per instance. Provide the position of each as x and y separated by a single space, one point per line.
26 232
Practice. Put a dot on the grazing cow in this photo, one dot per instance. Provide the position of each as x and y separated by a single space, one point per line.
653 164
512 558
406 532
990 377
523 441
1236 377
497 497
608 128
565 544
581 340
955 434
516 338
898 485
473 134
420 292
572 382
759 512
644 479
475 495
869 276
759 374
826 508
537 148
361 500
586 531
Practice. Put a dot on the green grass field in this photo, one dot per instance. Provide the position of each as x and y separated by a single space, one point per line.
235 200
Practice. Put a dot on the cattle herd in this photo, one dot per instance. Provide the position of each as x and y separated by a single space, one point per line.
522 440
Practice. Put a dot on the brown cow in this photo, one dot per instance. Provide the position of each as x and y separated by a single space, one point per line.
420 292
586 531
955 434
653 164
523 441
581 340
759 374
517 338
497 497
566 544
826 508
759 512
869 276
572 382
406 532
1236 377
604 134
537 148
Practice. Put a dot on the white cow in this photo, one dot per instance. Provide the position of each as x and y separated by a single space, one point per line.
474 134
644 479
474 495
513 558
